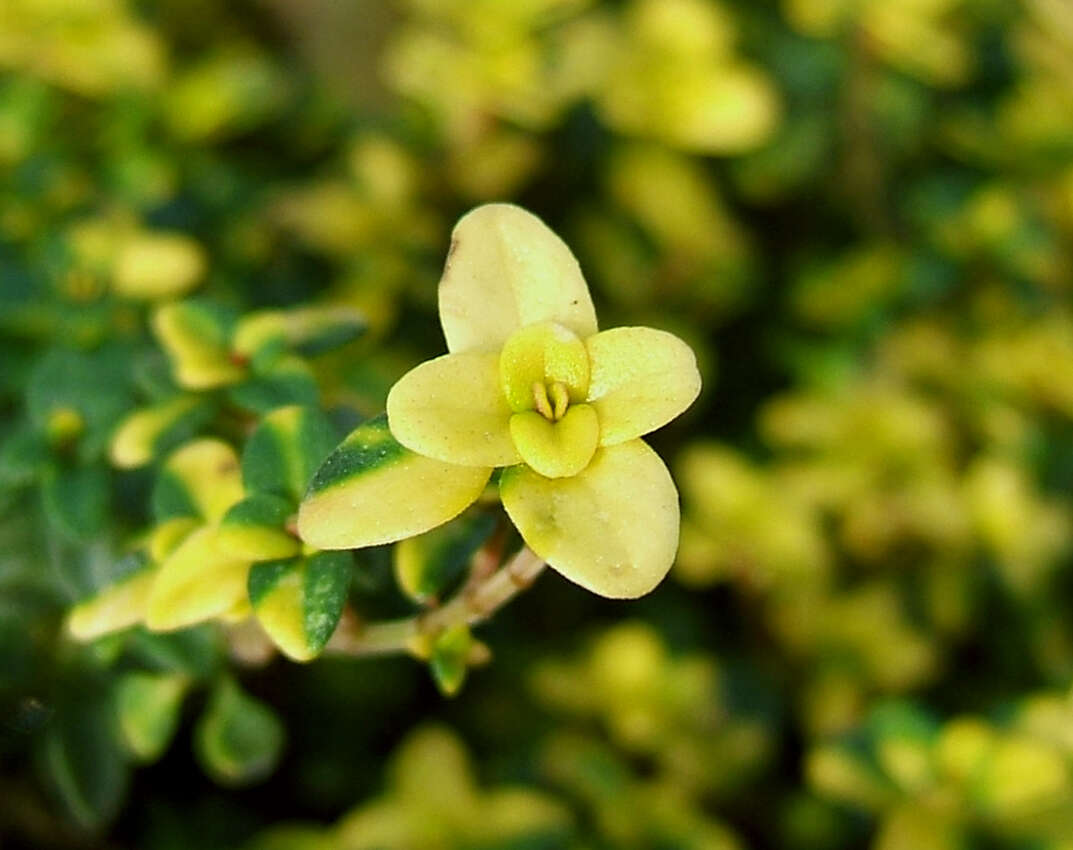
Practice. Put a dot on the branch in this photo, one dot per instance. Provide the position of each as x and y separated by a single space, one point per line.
473 605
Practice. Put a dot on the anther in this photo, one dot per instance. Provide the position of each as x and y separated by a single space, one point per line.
560 399
540 400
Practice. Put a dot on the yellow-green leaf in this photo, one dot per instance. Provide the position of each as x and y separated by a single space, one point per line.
116 607
507 269
254 529
196 336
306 330
556 449
641 379
238 739
166 536
545 353
222 93
373 490
447 662
430 564
299 602
198 581
453 409
257 331
200 479
726 108
148 709
157 265
241 610
613 529
147 432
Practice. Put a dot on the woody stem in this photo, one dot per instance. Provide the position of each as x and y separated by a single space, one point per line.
471 606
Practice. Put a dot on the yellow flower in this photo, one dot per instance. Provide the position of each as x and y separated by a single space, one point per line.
529 385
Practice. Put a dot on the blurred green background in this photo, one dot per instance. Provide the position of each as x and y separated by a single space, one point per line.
860 215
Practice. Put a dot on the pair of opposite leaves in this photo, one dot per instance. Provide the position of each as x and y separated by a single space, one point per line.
532 387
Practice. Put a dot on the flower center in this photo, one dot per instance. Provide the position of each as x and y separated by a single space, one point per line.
551 401
544 374
544 367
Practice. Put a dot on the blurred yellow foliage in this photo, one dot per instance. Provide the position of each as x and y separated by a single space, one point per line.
93 47
670 709
970 773
673 77
921 37
433 802
746 526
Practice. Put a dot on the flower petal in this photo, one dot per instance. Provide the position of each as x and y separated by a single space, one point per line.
452 409
557 449
373 490
641 379
613 528
507 269
197 582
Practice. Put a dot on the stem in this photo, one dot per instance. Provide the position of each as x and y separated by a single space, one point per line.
472 605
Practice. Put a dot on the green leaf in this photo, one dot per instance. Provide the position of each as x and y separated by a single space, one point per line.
428 566
254 529
285 450
87 389
289 383
447 662
194 652
316 330
151 375
76 500
238 739
307 331
328 333
82 757
23 455
148 706
299 602
294 837
171 498
902 720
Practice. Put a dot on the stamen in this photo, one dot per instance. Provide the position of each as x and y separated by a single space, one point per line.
540 399
560 399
